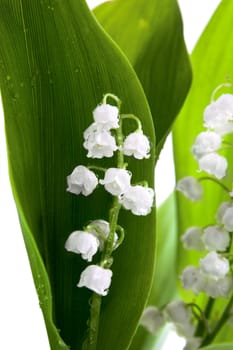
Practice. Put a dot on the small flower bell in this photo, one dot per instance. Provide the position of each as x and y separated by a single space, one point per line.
152 319
83 243
137 145
216 238
96 278
138 199
190 187
206 142
82 180
191 239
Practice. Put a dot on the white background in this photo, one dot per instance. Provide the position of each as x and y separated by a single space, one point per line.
21 322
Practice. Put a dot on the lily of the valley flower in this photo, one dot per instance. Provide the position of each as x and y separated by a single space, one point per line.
180 315
83 243
107 116
206 142
96 278
190 187
99 142
214 265
116 181
152 319
218 116
213 164
191 279
216 238
136 144
193 343
192 239
138 199
82 180
103 226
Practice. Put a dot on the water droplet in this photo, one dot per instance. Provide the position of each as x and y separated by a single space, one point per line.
8 77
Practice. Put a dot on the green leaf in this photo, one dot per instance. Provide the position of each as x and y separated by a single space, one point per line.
165 269
218 347
55 65
150 33
212 64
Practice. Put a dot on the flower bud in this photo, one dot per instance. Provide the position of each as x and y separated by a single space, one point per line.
190 187
83 243
222 209
96 278
82 180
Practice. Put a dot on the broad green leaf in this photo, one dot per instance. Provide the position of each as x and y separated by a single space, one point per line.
212 65
165 269
55 65
150 33
218 347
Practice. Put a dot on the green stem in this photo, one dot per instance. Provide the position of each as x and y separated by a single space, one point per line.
132 116
91 341
106 258
200 330
225 315
203 178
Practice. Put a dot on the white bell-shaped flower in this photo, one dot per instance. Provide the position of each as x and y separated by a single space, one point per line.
152 319
222 209
96 278
214 265
178 312
84 243
192 240
99 142
180 315
190 187
219 115
137 145
116 181
107 115
213 164
206 142
138 199
216 238
105 230
192 280
82 180
227 219
218 288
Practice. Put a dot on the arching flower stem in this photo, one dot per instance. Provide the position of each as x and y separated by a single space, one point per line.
133 117
213 179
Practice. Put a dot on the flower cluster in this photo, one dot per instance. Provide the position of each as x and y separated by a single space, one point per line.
213 275
179 315
218 119
101 139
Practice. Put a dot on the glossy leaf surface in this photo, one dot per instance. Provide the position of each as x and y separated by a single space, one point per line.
55 65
